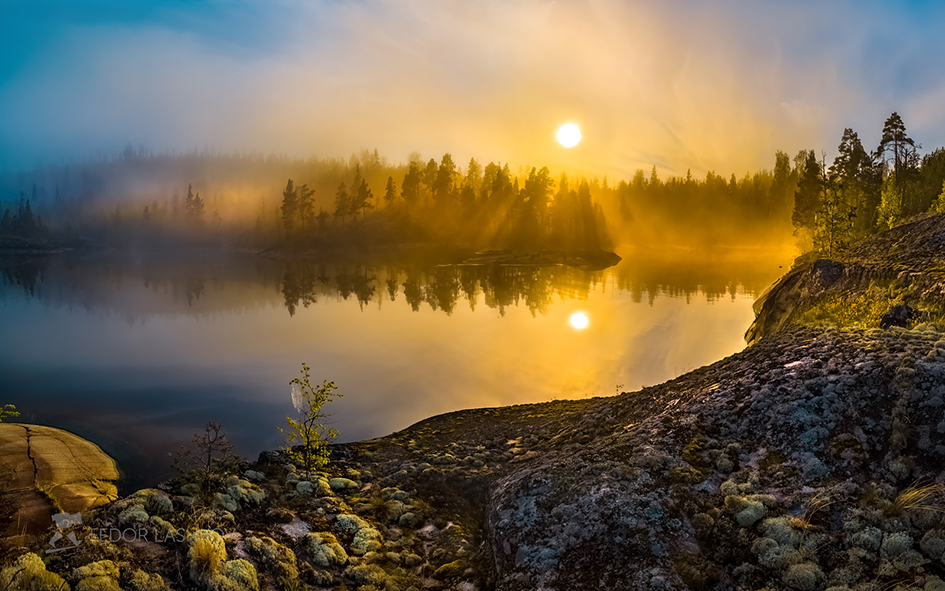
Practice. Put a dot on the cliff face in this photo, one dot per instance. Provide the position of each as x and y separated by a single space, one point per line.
811 460
904 265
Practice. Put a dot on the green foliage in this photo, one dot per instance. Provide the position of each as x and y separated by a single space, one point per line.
834 227
807 197
889 214
938 206
854 177
8 412
308 430
864 310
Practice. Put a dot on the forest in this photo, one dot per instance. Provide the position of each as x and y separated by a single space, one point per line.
247 200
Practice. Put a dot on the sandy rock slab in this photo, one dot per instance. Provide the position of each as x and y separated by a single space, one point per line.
45 470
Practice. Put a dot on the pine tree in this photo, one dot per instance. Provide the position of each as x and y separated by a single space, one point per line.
193 207
473 175
197 210
390 192
342 202
290 207
443 183
896 140
361 200
783 183
410 188
851 176
904 160
306 207
807 197
189 202
322 218
428 178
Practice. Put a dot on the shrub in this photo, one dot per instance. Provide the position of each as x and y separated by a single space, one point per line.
8 412
211 456
309 429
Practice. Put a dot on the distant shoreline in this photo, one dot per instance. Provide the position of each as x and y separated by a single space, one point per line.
433 254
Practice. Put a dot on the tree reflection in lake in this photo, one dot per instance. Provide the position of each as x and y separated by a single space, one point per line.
196 283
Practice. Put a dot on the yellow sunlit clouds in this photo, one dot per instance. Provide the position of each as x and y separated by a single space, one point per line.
579 320
569 135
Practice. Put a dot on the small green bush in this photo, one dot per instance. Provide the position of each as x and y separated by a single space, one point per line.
8 412
309 429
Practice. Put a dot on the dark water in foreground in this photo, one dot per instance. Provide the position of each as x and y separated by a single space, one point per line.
136 354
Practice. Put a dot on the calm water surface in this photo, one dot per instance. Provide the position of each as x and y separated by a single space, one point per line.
137 354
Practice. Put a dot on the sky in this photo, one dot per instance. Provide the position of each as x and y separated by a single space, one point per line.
715 85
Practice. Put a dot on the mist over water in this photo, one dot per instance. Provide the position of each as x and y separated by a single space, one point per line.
137 354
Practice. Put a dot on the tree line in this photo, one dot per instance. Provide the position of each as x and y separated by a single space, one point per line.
19 220
483 206
246 200
862 191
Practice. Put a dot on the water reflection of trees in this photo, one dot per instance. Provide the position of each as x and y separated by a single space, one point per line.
500 287
155 285
441 288
26 272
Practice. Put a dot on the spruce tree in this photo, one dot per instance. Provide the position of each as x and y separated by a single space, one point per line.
290 207
342 202
390 192
807 197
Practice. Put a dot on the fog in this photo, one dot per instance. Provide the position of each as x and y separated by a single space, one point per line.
717 86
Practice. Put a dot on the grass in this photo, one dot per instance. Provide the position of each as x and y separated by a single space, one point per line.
381 507
865 309
818 503
204 556
917 497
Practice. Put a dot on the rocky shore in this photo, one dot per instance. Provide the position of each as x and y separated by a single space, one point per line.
810 461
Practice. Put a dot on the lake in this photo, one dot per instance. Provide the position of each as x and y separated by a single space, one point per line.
137 353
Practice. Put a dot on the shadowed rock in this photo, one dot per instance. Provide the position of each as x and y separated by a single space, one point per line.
898 315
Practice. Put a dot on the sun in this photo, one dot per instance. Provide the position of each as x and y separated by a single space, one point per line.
569 135
579 320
